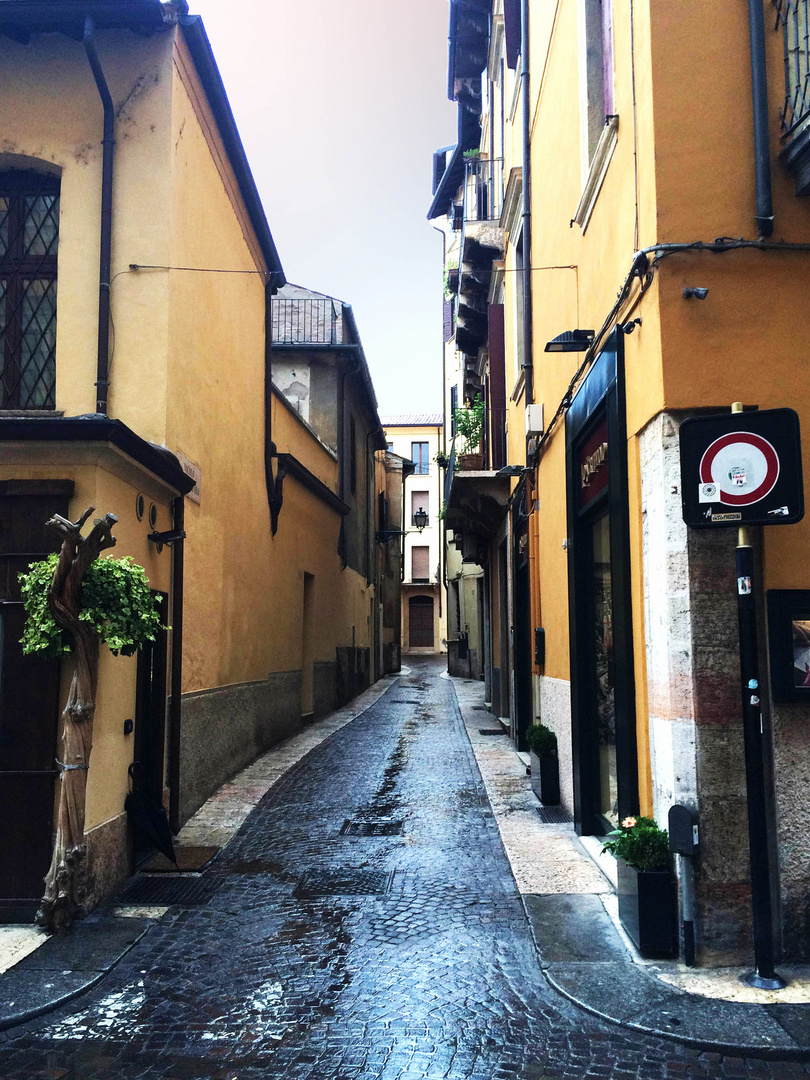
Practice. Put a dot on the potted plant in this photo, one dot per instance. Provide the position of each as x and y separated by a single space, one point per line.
469 423
648 899
545 766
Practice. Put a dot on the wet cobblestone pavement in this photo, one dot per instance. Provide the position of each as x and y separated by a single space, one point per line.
323 955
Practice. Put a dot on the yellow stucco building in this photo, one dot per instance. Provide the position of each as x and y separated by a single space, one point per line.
622 180
146 390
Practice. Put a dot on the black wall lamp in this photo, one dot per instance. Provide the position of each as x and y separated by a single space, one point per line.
420 520
571 341
698 294
171 536
629 327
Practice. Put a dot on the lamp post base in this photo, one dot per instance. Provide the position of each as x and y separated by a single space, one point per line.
760 982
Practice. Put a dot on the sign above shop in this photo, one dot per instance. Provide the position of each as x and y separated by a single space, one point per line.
593 465
742 468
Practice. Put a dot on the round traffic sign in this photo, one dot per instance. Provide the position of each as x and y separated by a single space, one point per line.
743 466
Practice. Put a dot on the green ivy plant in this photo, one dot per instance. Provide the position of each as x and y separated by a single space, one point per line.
640 842
116 600
470 424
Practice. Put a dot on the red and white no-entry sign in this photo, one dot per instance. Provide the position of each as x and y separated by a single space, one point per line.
738 469
742 468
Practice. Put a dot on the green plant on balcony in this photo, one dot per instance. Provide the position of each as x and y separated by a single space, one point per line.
451 264
469 423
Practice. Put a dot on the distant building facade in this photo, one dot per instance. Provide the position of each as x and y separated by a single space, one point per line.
419 438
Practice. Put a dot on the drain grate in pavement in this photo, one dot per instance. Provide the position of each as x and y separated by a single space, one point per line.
553 815
480 708
405 701
371 828
343 882
491 731
183 891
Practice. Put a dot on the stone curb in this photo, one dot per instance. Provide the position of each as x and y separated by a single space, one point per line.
623 993
59 971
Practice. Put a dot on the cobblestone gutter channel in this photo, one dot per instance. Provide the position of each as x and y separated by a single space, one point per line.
327 955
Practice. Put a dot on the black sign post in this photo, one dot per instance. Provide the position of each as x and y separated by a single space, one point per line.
743 469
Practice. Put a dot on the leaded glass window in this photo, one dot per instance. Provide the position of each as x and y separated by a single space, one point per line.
794 18
29 237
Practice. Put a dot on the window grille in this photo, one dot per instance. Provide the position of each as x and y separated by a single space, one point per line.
29 238
794 19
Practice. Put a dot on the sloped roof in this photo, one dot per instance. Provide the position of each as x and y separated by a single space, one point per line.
413 420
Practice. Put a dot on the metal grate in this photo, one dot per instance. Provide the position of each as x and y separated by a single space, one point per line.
553 815
348 881
305 321
371 828
491 731
793 16
184 891
29 239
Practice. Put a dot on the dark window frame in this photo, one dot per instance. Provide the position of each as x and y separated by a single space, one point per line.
353 455
20 269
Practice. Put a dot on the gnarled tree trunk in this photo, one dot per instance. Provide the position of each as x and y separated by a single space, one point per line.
64 882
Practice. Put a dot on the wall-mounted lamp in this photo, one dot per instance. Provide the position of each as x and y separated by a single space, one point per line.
171 536
629 327
420 519
699 294
511 470
571 341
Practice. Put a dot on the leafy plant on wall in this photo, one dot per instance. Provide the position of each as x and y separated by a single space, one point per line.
74 602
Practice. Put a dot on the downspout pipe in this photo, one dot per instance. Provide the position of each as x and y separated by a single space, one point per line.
105 244
759 92
528 356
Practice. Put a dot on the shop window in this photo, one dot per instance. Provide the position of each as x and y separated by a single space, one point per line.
29 238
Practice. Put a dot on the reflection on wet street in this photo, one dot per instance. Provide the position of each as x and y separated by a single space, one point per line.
363 925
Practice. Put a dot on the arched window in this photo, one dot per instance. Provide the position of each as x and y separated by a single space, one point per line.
29 237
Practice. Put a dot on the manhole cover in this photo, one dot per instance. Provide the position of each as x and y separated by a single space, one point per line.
371 828
162 890
346 882
553 815
491 731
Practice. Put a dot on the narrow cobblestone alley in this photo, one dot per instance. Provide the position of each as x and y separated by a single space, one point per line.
317 952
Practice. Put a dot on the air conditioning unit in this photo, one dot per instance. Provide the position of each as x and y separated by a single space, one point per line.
534 420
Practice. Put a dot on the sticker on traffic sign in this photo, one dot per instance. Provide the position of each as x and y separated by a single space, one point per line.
741 469
742 466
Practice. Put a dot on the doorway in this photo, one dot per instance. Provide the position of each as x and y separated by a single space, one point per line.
29 701
521 609
420 622
308 650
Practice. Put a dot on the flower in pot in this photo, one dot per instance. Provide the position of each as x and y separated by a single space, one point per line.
545 766
648 900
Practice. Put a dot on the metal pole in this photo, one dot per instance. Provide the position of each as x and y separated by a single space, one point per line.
688 903
764 976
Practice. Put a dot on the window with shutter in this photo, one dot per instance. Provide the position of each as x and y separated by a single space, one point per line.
420 564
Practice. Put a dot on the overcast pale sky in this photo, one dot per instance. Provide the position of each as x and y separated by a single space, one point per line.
340 104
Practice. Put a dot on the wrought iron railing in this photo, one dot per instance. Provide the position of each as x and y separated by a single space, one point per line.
483 189
793 16
307 321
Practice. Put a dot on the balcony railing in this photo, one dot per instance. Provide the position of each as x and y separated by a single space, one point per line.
794 18
307 321
483 189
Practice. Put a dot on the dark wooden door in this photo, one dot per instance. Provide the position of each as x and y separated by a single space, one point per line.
150 718
420 622
29 703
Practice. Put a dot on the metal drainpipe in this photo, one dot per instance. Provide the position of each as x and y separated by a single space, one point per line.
105 244
528 362
175 700
759 91
269 445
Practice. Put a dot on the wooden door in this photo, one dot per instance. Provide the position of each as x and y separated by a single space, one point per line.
29 703
420 622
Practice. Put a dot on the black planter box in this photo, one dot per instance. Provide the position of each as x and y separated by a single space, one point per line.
546 778
648 909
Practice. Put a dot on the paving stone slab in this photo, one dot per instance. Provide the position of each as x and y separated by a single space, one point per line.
618 990
705 1021
573 928
87 946
27 994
